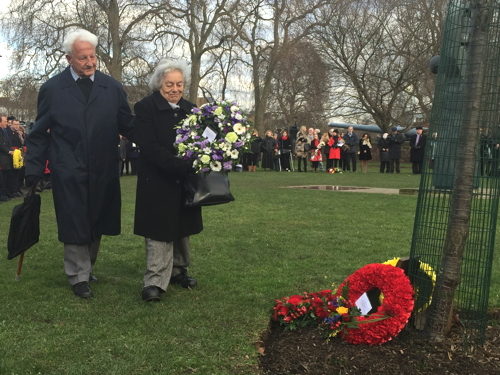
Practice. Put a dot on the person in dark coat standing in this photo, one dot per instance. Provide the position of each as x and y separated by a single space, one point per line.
6 167
268 145
253 156
17 143
285 147
394 142
417 151
160 215
383 147
81 113
350 139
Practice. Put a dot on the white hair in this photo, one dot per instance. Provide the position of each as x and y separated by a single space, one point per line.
78 35
166 66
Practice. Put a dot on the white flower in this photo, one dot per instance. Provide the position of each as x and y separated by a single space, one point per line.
216 166
234 154
234 108
238 128
238 116
193 134
207 150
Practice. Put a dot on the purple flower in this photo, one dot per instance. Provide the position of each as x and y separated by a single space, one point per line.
227 165
238 144
216 156
204 170
196 110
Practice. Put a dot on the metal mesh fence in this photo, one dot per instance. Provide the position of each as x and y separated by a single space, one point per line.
462 151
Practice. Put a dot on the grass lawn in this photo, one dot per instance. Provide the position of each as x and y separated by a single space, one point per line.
269 243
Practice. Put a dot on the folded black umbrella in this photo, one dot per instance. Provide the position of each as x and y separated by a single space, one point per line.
24 229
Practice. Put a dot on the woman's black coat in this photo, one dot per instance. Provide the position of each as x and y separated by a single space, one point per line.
159 211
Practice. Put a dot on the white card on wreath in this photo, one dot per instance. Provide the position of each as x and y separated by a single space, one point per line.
363 303
209 134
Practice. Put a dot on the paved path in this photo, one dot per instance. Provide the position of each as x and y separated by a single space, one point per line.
357 189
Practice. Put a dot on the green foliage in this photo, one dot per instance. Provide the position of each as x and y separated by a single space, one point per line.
271 242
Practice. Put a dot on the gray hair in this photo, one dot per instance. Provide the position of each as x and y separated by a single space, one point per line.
78 35
166 66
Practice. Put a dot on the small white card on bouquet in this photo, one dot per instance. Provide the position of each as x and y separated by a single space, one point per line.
209 134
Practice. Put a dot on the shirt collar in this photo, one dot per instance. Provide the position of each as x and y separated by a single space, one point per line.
75 76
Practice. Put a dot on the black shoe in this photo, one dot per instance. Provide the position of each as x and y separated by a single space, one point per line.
184 281
82 290
3 198
151 294
93 279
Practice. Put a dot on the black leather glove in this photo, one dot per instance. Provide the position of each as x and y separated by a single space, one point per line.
31 180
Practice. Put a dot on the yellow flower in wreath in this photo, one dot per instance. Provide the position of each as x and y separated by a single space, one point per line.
342 310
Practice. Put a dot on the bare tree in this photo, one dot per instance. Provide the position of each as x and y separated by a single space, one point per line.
20 97
379 52
127 32
199 24
266 29
301 86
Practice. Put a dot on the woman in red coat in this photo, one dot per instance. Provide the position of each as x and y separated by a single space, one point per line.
334 154
316 157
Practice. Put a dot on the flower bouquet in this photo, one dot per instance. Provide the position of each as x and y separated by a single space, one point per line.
212 138
335 170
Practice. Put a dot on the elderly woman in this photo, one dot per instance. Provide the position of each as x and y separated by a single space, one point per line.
160 216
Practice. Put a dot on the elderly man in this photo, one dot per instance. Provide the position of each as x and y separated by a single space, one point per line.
81 113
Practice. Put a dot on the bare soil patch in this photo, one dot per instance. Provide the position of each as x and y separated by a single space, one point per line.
305 351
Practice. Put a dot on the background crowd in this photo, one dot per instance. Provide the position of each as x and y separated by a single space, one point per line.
332 151
12 138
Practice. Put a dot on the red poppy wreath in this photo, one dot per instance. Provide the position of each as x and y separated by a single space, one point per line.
396 303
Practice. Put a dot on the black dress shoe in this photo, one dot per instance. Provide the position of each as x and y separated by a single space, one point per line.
93 279
183 280
82 290
4 198
151 294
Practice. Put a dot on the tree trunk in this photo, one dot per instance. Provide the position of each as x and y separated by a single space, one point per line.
448 277
195 78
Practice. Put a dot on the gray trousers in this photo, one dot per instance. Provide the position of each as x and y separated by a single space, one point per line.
165 260
79 260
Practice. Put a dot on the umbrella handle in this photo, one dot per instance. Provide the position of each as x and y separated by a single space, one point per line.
19 266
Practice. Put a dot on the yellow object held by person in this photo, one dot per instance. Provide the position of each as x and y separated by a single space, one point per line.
17 159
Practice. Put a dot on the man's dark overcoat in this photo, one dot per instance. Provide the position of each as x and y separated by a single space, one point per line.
80 140
5 157
394 142
159 212
417 152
